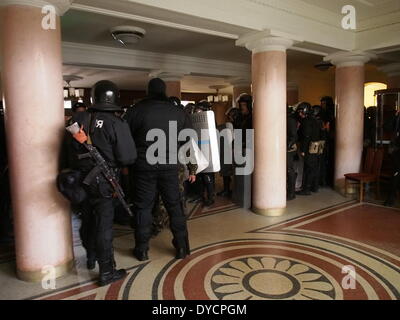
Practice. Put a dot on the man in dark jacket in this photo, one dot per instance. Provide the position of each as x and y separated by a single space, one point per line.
160 176
102 128
310 135
291 153
394 127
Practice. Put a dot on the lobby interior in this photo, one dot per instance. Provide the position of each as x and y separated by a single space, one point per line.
282 52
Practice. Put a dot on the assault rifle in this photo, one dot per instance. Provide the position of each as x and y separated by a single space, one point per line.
101 168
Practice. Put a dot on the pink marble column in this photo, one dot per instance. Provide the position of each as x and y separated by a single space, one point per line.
32 83
269 121
350 79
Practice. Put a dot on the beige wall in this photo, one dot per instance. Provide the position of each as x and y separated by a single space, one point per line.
314 84
372 74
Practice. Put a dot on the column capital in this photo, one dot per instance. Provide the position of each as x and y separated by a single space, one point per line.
268 40
392 70
167 75
349 59
61 6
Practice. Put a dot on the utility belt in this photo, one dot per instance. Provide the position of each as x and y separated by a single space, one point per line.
292 148
317 147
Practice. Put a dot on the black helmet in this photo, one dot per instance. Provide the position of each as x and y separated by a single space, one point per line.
157 89
244 97
328 100
304 107
248 99
203 105
78 105
290 110
69 184
105 96
189 108
176 102
317 111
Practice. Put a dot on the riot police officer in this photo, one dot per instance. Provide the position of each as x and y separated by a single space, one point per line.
309 133
79 107
394 150
207 178
157 112
101 127
318 114
291 154
245 103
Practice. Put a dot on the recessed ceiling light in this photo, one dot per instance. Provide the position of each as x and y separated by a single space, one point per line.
127 35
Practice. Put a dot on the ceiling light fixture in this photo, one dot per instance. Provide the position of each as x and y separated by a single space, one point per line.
127 35
218 97
323 66
71 92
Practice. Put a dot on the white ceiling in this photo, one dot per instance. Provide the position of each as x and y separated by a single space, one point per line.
91 28
365 9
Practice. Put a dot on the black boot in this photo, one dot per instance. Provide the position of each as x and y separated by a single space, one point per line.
108 273
304 192
141 254
290 196
91 261
209 202
182 249
91 264
227 188
291 188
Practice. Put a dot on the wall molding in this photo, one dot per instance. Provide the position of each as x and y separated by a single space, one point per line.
91 55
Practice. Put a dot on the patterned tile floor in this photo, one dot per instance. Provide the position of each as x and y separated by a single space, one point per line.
239 255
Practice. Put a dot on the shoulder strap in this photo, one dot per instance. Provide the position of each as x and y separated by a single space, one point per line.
91 128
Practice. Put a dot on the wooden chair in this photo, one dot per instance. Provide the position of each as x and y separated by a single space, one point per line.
371 172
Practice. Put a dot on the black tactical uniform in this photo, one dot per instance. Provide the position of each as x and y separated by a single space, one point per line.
310 131
111 136
328 108
395 156
291 153
322 156
156 112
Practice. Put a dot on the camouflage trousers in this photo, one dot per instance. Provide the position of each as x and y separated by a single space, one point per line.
160 214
